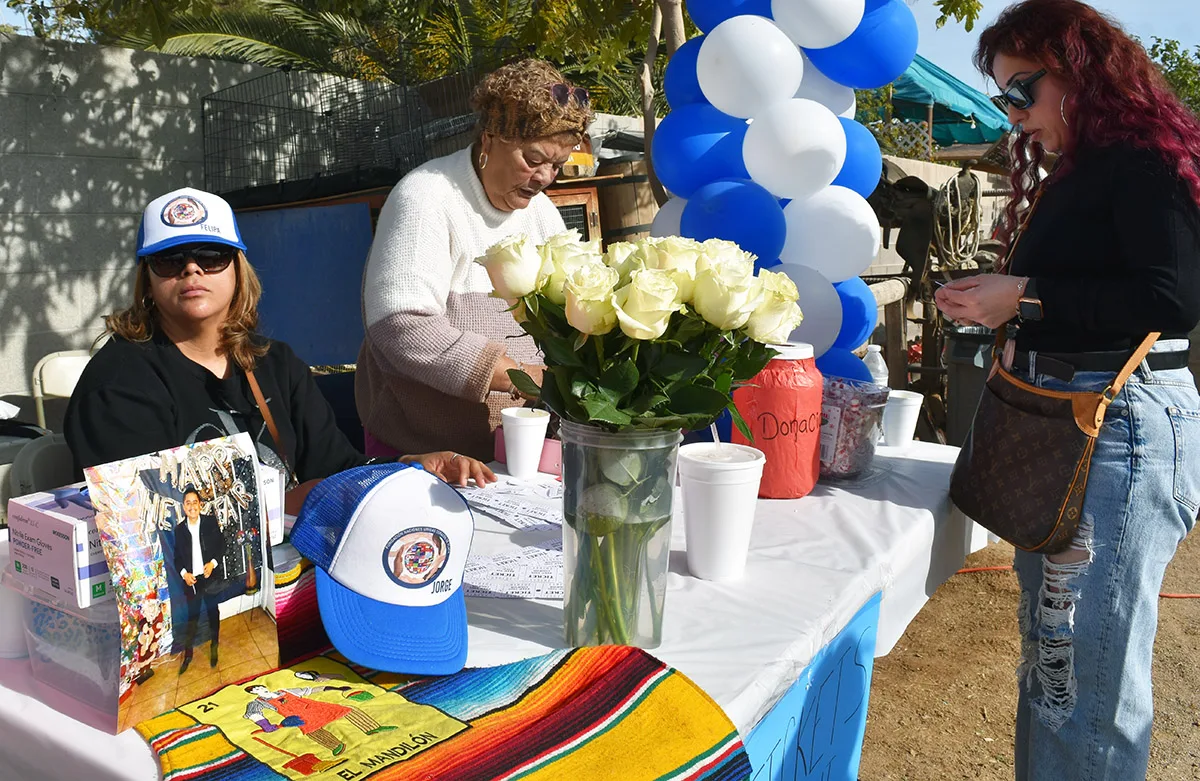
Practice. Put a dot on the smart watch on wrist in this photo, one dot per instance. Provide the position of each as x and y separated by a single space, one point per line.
1029 306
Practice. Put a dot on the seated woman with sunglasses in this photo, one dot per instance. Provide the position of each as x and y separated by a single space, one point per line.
1104 252
184 361
434 365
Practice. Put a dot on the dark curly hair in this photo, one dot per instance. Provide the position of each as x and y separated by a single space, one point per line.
1117 95
515 102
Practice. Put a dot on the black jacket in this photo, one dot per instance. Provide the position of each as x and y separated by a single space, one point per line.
138 398
212 547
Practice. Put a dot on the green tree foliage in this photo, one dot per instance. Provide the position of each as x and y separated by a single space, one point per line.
599 43
1181 67
965 12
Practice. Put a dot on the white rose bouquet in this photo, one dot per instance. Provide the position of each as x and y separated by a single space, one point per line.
640 341
652 335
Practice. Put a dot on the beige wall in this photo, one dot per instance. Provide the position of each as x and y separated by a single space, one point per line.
88 135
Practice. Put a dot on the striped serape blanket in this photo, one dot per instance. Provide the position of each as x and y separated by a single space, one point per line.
610 712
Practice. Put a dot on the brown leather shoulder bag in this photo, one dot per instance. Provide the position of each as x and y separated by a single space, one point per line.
1023 471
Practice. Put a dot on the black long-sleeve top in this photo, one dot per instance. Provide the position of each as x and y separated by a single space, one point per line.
1114 247
136 398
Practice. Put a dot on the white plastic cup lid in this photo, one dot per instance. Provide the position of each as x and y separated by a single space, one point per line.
792 351
525 416
721 456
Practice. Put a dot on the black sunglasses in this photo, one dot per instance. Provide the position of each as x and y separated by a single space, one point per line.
211 258
1018 93
564 92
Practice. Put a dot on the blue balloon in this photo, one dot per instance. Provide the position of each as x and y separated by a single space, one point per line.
877 52
864 161
680 82
695 145
736 210
860 313
707 14
761 264
840 362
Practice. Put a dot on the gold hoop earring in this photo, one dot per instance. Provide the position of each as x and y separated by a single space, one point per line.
1062 110
483 160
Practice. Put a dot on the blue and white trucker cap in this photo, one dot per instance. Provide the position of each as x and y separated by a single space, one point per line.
390 542
187 216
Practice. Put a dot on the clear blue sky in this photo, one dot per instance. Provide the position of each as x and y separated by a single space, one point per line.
8 16
951 47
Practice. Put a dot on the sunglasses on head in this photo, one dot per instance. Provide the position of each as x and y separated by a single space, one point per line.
211 258
1018 93
563 93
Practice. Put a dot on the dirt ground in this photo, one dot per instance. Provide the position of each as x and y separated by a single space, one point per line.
943 701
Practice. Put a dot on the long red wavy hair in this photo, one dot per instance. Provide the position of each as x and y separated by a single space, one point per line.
1115 92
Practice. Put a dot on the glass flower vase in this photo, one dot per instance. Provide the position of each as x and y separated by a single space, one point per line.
617 494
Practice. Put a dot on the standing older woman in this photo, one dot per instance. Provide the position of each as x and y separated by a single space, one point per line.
1110 253
185 362
434 365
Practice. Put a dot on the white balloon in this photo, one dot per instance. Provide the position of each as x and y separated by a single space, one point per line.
817 24
747 63
835 232
820 304
833 96
666 222
794 148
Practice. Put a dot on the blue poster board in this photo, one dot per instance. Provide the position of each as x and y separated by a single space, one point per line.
310 260
816 731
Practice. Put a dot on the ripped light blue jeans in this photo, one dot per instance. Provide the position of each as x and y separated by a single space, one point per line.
1087 627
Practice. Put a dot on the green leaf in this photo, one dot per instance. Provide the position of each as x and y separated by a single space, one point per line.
740 422
689 328
620 379
599 408
647 401
724 382
698 400
524 383
555 401
559 351
675 366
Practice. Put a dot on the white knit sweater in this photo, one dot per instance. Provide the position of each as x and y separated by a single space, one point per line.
433 333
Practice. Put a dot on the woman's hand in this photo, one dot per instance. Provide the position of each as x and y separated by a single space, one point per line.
501 383
987 299
453 467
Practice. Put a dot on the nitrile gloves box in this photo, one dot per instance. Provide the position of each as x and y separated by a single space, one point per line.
55 545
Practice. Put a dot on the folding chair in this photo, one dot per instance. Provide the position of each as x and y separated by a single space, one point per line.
56 375
43 464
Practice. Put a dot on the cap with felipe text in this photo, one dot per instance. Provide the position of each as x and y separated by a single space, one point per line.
187 216
390 542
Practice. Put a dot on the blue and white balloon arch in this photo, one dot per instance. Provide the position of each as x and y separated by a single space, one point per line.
762 144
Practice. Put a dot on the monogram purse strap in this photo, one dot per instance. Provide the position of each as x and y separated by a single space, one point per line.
269 419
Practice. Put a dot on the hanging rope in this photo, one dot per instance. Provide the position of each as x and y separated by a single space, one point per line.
956 230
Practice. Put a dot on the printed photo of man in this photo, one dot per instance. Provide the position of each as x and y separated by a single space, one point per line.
199 550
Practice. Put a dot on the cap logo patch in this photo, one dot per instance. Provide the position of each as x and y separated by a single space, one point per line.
415 557
183 211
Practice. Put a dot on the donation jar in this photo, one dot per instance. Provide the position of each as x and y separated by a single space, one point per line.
782 407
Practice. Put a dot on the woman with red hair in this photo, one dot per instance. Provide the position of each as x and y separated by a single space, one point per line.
1109 253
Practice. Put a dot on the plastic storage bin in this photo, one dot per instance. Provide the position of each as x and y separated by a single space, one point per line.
76 651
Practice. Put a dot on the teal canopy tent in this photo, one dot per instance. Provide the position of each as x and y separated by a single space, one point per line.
961 114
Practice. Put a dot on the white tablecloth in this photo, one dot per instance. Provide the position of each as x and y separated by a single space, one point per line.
813 563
